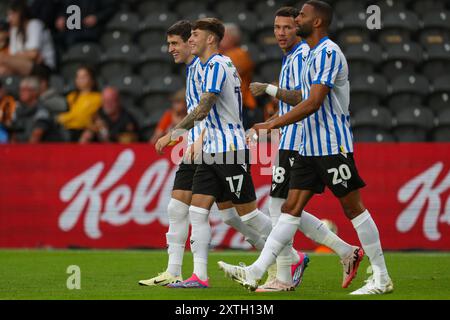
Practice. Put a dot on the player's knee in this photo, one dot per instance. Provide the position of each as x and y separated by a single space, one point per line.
291 208
177 211
198 215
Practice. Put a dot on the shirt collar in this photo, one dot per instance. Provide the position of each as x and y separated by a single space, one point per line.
209 59
320 42
293 49
192 62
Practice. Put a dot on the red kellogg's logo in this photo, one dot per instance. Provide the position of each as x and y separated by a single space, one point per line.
106 201
85 191
429 197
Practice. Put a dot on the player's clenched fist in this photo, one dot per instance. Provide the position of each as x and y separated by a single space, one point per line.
162 143
257 88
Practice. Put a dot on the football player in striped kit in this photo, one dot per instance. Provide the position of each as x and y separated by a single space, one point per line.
224 169
289 94
178 208
326 154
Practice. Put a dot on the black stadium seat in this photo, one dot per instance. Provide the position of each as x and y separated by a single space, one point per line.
439 98
151 37
11 84
423 6
57 83
246 20
413 124
130 87
164 84
264 6
436 28
188 6
153 106
437 60
401 59
368 90
375 117
363 58
353 29
146 7
77 55
372 135
390 5
158 20
407 91
115 38
123 21
342 7
233 7
154 61
441 132
195 15
397 27
119 60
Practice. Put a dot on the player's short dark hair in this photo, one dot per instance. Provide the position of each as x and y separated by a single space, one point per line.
181 28
213 25
287 12
324 10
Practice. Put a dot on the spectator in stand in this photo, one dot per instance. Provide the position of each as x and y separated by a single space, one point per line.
54 102
172 116
32 122
94 15
83 103
231 46
7 109
30 44
44 10
4 37
112 123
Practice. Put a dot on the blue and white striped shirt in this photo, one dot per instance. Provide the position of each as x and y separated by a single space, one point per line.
289 79
224 128
327 132
193 94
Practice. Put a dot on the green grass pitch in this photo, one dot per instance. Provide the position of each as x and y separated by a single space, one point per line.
41 274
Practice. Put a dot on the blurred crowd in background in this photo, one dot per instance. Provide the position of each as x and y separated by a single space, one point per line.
113 80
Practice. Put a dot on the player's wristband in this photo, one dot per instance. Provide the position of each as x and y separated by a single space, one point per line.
271 90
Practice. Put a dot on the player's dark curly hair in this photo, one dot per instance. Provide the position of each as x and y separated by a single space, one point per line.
181 28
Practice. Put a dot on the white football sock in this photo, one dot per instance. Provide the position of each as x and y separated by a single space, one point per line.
275 205
280 236
285 258
178 213
316 230
231 218
200 238
259 222
370 239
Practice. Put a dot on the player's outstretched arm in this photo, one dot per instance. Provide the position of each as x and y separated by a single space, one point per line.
309 106
205 105
291 97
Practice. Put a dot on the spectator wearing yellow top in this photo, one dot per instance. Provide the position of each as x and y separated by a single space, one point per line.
83 103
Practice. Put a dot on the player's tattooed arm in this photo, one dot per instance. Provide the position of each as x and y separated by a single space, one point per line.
205 105
306 108
291 97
